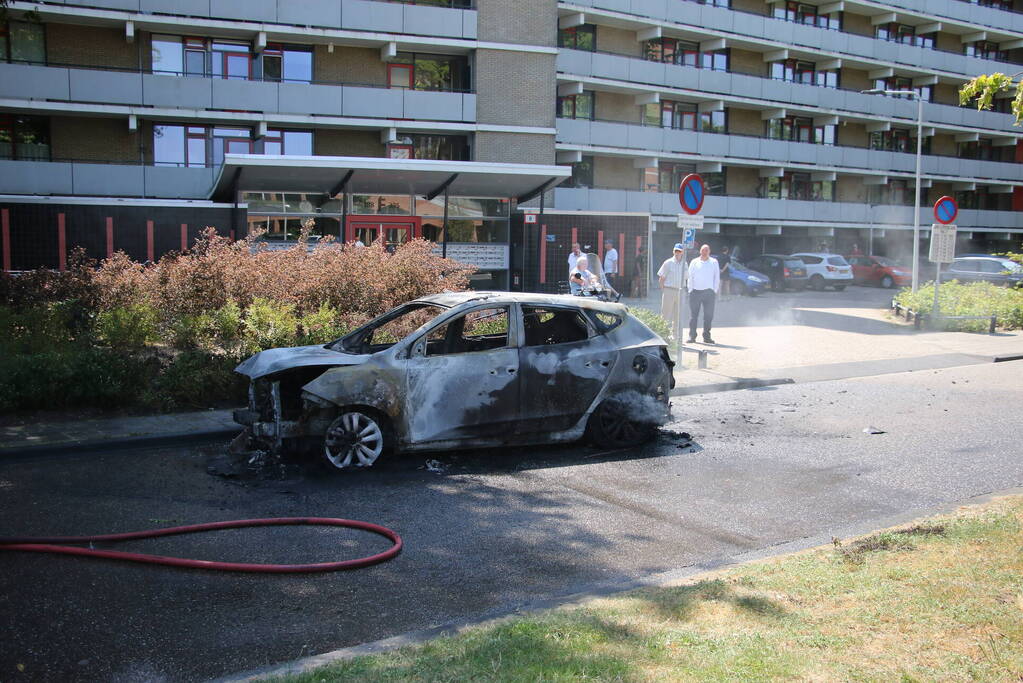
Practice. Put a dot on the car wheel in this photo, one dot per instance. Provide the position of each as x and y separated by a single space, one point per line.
744 289
887 282
356 438
611 425
817 282
839 288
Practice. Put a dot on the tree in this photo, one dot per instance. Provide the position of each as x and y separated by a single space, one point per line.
983 89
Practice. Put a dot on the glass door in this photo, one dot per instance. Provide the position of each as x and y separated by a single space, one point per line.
394 230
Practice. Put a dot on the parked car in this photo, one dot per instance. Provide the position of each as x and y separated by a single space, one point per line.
783 271
878 270
464 370
826 270
745 280
996 269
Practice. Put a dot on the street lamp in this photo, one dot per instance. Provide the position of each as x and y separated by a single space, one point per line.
919 152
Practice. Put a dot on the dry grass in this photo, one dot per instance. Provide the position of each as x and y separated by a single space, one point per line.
937 601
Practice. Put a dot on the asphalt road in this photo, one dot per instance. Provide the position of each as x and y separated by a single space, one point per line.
490 532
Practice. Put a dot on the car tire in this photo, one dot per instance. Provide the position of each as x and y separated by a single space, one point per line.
744 289
839 288
609 426
817 282
356 438
887 282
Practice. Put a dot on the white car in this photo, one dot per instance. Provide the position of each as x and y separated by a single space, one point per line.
826 270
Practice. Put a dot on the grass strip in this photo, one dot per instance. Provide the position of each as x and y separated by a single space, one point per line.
938 600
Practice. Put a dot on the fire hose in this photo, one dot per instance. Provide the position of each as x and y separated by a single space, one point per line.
57 544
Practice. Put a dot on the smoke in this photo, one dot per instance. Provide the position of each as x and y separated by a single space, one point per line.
641 408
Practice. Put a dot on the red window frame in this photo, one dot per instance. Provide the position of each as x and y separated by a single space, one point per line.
396 83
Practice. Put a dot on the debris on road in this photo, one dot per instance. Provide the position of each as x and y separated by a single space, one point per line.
873 430
436 466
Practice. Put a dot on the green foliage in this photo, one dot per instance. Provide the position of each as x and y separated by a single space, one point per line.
40 328
198 379
983 89
131 327
975 298
652 320
321 326
268 325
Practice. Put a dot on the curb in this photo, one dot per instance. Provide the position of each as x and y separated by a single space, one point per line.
148 441
672 577
729 386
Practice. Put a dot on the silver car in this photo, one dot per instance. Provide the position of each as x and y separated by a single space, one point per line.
461 370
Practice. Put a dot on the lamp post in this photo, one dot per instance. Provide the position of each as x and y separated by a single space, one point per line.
919 153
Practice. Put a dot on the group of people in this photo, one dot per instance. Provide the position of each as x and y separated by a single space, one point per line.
702 277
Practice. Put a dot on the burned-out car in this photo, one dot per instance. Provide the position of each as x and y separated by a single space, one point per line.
460 370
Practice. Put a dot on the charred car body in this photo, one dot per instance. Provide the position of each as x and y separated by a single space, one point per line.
458 370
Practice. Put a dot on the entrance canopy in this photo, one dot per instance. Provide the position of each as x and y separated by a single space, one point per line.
368 175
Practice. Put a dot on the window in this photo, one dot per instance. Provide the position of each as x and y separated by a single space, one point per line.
443 147
548 326
576 106
670 176
984 200
800 186
685 53
23 42
905 34
670 114
714 121
802 13
287 63
799 129
288 142
794 70
582 174
24 138
198 146
827 78
897 192
985 49
894 83
578 37
449 73
898 140
480 330
984 150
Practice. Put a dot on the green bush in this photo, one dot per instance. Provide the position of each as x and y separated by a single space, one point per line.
321 326
268 324
42 327
198 379
974 298
652 320
132 327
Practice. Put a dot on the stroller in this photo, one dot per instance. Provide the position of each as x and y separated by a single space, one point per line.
602 290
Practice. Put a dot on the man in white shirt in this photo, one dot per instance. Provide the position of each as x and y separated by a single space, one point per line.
573 257
672 277
611 264
704 283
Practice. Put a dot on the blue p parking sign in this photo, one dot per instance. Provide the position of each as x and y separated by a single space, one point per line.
689 238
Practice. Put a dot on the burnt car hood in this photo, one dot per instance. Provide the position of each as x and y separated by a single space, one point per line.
276 360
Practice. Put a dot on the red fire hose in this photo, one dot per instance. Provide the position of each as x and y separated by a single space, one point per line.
54 545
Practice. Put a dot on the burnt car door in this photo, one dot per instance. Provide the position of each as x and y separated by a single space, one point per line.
463 378
564 365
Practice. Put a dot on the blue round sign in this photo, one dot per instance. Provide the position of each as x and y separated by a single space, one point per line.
945 210
691 193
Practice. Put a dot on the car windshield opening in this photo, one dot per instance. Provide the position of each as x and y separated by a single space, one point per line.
388 329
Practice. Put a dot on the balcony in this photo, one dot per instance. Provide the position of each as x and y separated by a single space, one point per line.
356 15
104 180
651 140
768 211
69 84
704 82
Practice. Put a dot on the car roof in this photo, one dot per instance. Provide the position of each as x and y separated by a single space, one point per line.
822 254
452 299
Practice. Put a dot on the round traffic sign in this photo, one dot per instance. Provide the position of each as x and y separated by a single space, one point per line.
945 210
690 194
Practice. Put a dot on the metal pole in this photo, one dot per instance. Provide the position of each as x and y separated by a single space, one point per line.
916 201
444 242
935 313
678 314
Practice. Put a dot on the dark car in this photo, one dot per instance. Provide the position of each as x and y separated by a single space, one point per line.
464 370
880 271
996 269
784 271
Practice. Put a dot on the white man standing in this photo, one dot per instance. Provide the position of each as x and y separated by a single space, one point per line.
611 264
704 283
672 277
573 256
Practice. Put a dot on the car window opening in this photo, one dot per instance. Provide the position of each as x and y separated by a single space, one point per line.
479 330
388 329
548 326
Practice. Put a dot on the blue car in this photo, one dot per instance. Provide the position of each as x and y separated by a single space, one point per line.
746 281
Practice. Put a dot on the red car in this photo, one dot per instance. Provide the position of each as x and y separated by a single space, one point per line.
878 270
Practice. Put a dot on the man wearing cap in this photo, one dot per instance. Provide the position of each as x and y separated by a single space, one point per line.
704 283
672 276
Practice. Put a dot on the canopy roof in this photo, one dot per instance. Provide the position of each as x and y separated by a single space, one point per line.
368 175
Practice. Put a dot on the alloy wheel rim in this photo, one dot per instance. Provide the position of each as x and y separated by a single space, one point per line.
353 440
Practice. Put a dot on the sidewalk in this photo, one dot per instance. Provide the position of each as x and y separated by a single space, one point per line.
769 339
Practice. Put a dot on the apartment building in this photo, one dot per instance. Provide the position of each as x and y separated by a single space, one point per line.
766 101
132 124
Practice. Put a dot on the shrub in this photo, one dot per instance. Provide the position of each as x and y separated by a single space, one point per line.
133 326
321 326
652 320
268 324
198 379
975 298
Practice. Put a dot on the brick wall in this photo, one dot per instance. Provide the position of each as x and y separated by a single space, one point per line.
853 134
742 181
611 106
850 189
515 88
855 79
942 143
348 143
754 6
514 148
530 22
94 139
745 121
618 40
615 172
857 23
946 93
357 65
90 46
748 62
948 41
